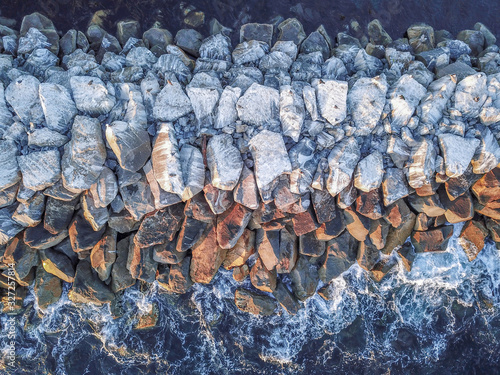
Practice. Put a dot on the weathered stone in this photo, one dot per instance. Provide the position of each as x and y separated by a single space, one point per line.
368 255
369 172
404 97
58 264
311 246
421 165
246 192
423 222
341 254
291 30
457 152
38 238
81 234
95 215
171 103
331 229
470 95
357 225
88 288
179 279
159 226
286 299
138 199
366 101
120 274
224 162
332 99
267 244
288 251
231 224
377 33
226 113
105 189
487 154
432 240
22 257
22 95
455 187
167 253
474 39
397 213
140 262
270 157
199 209
382 268
370 204
292 112
394 186
487 188
218 200
166 160
58 215
191 231
407 255
91 95
261 278
304 278
458 210
84 155
47 288
304 222
398 151
58 106
204 92
421 37
45 137
430 110
324 206
9 168
207 258
8 227
342 160
379 230
239 253
8 197
259 105
254 303
103 254
40 169
430 205
472 238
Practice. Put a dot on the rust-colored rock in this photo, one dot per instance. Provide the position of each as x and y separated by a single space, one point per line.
238 255
494 229
286 299
304 222
341 254
324 206
241 273
378 233
207 257
283 197
370 204
141 264
231 224
332 228
254 303
397 213
267 212
459 210
357 225
457 186
167 253
268 247
430 205
262 278
198 208
423 222
103 254
472 238
368 255
382 268
398 236
407 255
179 280
288 251
58 264
160 226
246 191
218 200
487 188
432 240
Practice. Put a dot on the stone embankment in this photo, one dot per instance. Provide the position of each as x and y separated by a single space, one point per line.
152 158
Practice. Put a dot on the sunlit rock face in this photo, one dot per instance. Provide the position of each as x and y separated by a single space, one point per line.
163 159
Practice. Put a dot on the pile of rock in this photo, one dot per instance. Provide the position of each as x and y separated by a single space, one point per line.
130 159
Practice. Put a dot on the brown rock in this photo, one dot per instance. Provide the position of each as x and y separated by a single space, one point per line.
487 188
254 303
267 212
430 205
305 278
459 210
58 265
179 280
167 253
262 278
357 225
239 254
218 200
457 186
368 255
81 234
140 262
88 288
160 226
231 224
103 254
382 268
207 257
332 228
398 236
283 197
397 213
288 251
47 288
286 299
304 222
324 206
246 191
494 228
268 247
369 204
309 245
96 216
191 231
240 273
341 254
423 222
491 210
407 255
378 233
472 238
432 240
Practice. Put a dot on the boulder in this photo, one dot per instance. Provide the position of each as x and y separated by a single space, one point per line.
332 97
245 191
22 95
9 168
140 262
47 288
357 225
138 199
160 226
394 186
342 160
239 253
40 169
189 234
286 299
91 95
58 264
231 224
207 257
259 105
254 303
292 112
103 254
224 161
472 238
88 288
340 254
304 278
457 152
82 235
171 103
369 172
432 240
261 278
370 204
38 238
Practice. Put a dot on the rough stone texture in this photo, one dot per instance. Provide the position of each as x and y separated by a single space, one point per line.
267 243
342 160
103 254
58 265
84 155
472 238
254 303
224 162
261 278
431 107
421 165
470 95
403 99
231 224
47 288
159 227
193 171
432 240
91 95
226 113
332 97
207 257
369 172
457 152
138 199
171 103
305 279
131 145
292 112
88 288
40 169
394 186
22 95
368 255
120 274
9 168
340 253
246 191
286 299
259 105
241 251
82 235
58 106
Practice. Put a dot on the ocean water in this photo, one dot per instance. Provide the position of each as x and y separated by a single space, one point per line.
440 318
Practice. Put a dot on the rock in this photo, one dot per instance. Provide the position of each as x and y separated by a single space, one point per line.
421 37
157 40
407 255
305 163
22 258
167 253
261 278
368 255
432 240
459 210
317 41
105 189
487 188
432 105
241 251
58 264
216 47
472 238
398 151
324 206
304 278
91 95
489 37
246 192
140 262
369 172
291 30
127 29
487 155
22 95
288 251
159 226
40 169
179 279
120 275
304 222
286 299
58 106
84 155
267 243
226 112
9 168
47 288
394 186
259 105
370 204
459 185
311 246
256 31
88 288
430 205
357 225
332 97
404 97
435 58
331 229
8 196
46 138
193 169
9 228
470 95
457 153
44 26
103 254
254 303
379 230
190 232
204 92
421 165
382 268
342 160
292 112
341 254
166 160
377 33
231 224
30 213
58 215
189 40
270 157
81 234
366 100
95 215
171 103
38 238
218 200
224 162
249 52
474 39
131 145
207 258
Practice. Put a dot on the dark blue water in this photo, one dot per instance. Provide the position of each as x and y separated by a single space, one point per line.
440 318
